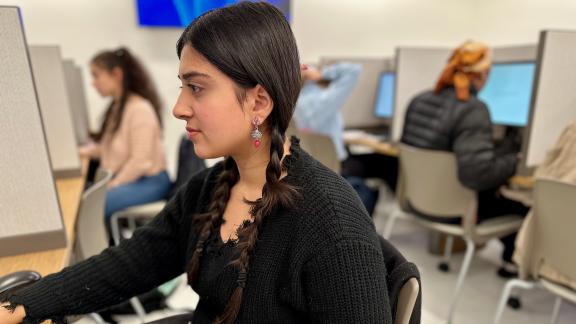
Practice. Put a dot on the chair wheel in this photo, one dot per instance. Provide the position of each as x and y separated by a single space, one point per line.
444 267
514 303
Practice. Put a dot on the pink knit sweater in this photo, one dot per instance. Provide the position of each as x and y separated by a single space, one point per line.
136 149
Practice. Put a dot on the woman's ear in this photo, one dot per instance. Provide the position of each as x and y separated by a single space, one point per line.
118 74
262 103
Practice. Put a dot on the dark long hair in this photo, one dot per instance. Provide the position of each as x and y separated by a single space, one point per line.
135 81
252 44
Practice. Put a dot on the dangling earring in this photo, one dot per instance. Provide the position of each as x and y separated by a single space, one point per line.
256 133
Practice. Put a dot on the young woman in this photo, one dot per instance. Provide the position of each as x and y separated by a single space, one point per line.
267 236
129 142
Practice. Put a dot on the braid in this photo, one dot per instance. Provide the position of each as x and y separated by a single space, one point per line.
206 221
274 193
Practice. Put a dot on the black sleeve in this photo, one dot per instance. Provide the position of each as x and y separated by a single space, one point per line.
347 284
154 255
479 168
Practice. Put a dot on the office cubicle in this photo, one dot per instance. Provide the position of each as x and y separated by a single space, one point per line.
55 108
358 111
418 69
77 100
554 95
30 218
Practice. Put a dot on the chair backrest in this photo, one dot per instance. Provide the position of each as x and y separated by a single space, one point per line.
407 301
188 164
101 174
431 185
403 283
322 148
90 231
292 130
554 222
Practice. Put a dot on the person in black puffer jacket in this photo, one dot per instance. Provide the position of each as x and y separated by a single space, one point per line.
452 118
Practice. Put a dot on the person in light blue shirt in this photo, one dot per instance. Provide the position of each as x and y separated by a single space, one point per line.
322 97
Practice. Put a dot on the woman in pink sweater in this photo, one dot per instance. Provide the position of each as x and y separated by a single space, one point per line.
129 142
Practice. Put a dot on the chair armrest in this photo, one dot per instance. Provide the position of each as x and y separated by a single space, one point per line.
18 280
142 211
146 211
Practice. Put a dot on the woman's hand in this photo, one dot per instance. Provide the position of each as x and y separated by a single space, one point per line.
311 74
112 184
89 150
11 317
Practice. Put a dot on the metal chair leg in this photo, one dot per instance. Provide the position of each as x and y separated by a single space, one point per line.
132 224
97 318
513 283
470 247
138 308
115 228
390 223
556 311
444 266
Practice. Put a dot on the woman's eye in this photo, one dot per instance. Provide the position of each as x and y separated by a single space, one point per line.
194 88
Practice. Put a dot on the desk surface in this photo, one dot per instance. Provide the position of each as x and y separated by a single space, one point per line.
385 148
523 182
522 196
47 262
520 190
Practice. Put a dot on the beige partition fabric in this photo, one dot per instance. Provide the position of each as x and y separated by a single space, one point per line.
554 94
55 108
417 70
518 53
77 100
30 218
358 111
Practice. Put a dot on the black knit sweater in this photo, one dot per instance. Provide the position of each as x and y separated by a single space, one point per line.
318 262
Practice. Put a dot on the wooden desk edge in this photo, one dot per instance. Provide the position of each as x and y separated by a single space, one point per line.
523 182
384 148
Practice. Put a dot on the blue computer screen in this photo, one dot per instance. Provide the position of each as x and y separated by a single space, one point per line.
508 93
385 96
179 13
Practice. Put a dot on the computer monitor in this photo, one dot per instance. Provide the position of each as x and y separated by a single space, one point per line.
384 105
508 93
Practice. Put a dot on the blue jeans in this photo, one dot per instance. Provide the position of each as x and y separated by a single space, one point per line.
142 191
368 196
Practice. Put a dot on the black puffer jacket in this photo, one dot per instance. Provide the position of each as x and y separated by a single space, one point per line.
442 122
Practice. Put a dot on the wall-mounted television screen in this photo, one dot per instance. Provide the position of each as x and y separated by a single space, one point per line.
179 13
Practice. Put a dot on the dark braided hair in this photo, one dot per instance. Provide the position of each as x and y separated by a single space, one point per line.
252 44
135 81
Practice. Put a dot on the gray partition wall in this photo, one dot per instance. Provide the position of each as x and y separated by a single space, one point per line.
517 53
55 108
77 99
30 218
358 111
417 70
554 95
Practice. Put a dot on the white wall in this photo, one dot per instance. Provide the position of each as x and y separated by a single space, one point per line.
505 22
376 27
322 28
